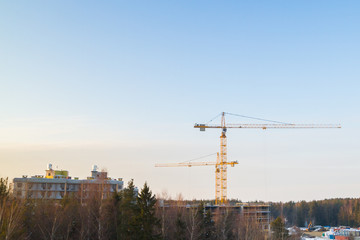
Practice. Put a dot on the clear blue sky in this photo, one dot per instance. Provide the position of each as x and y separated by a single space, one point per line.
121 83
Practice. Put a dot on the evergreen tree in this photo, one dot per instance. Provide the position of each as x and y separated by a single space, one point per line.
301 213
4 188
201 225
209 230
180 228
127 212
289 210
197 223
279 232
146 219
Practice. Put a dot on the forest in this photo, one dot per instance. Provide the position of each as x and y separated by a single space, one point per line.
328 212
125 215
132 215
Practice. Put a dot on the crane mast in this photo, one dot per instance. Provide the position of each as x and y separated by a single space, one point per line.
221 178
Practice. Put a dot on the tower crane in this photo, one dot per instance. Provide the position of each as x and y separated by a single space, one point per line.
222 163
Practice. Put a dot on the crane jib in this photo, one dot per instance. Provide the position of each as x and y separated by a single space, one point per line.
265 126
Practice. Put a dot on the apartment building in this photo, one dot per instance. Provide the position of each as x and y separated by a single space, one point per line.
56 184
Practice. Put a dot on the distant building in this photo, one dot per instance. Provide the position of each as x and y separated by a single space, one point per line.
56 184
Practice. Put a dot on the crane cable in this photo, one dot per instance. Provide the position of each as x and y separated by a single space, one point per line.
199 157
214 118
255 118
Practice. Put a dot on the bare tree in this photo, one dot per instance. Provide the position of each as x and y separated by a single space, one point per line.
47 219
11 218
224 218
249 229
194 216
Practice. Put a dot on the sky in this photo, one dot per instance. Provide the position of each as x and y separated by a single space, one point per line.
120 84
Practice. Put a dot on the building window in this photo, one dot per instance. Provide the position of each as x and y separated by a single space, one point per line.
19 185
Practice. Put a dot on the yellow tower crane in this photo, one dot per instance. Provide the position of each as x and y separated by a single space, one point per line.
222 163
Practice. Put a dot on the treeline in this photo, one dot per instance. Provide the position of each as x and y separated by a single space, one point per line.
126 215
328 212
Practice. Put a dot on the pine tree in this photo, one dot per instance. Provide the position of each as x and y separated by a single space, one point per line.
279 230
127 212
146 219
180 228
209 230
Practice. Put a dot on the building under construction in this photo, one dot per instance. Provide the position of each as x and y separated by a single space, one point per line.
258 212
